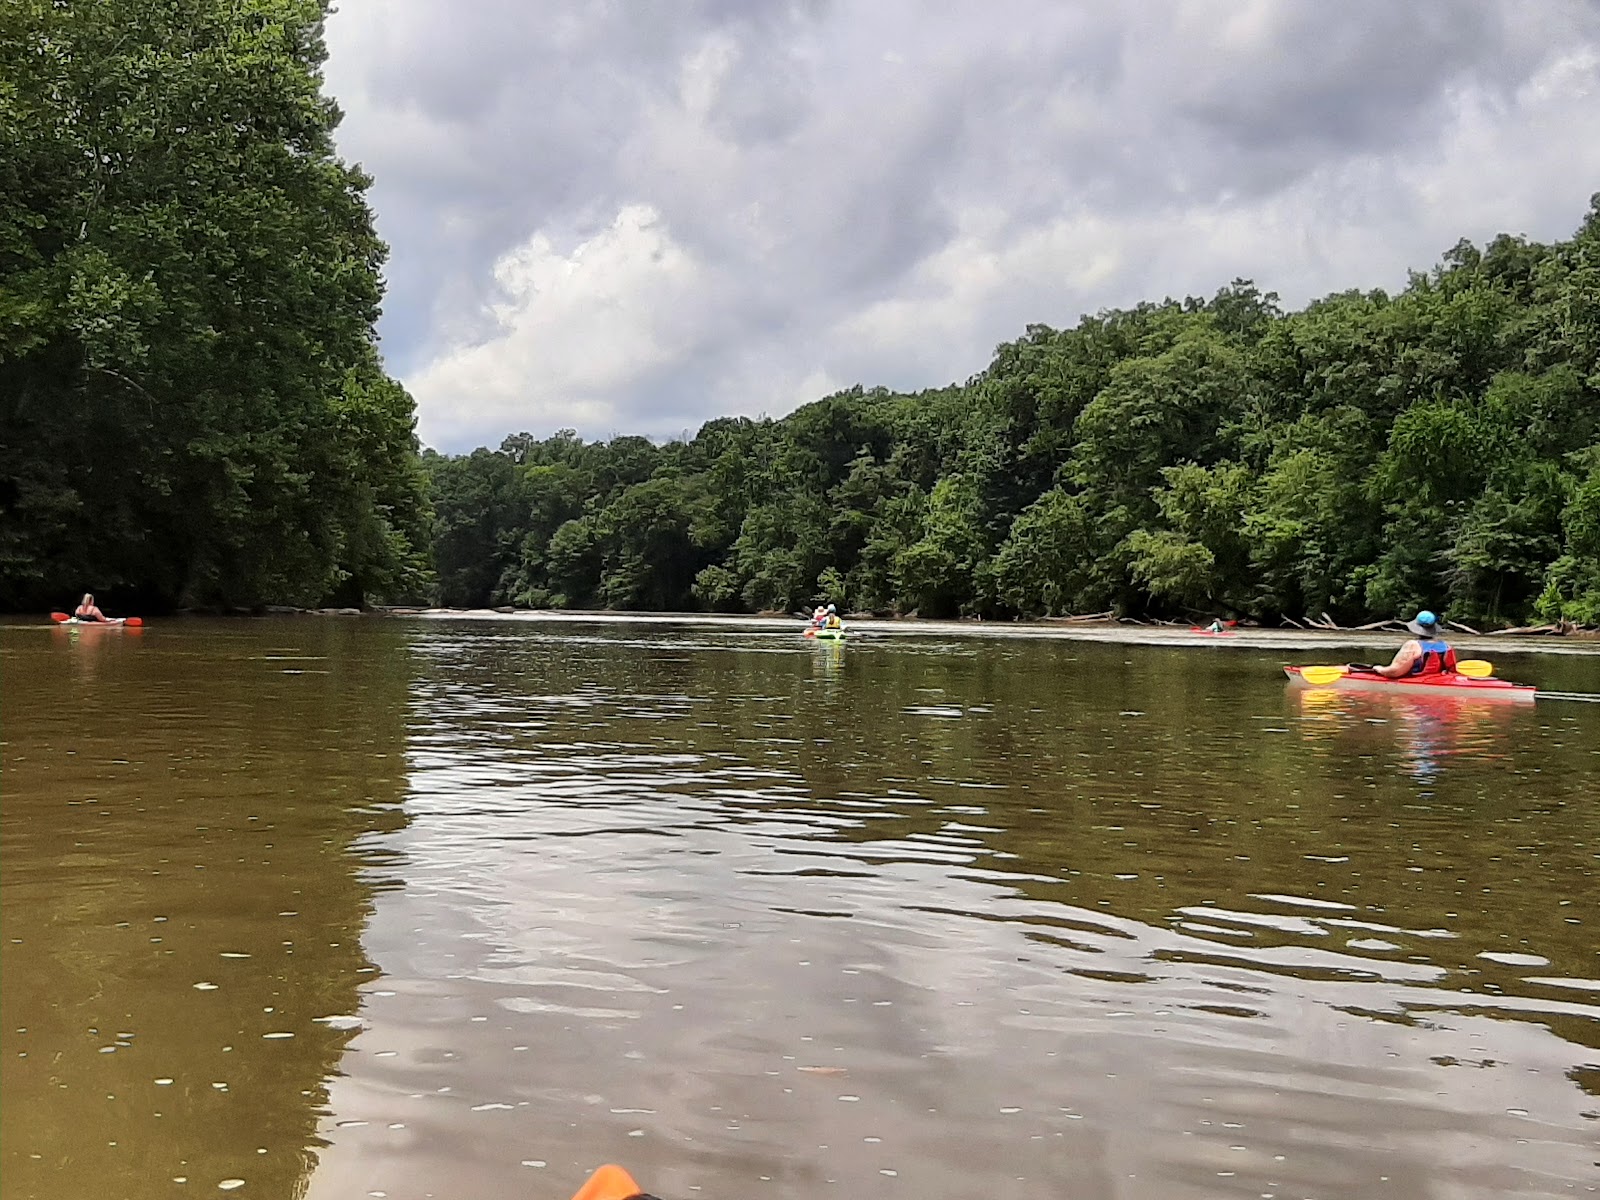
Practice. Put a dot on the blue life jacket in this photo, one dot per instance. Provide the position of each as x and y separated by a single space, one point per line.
1437 658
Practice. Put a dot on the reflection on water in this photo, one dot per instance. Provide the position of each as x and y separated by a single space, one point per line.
933 915
182 839
1427 732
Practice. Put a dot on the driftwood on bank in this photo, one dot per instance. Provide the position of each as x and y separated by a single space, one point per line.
1080 617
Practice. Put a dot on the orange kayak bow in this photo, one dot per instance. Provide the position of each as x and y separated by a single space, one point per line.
610 1182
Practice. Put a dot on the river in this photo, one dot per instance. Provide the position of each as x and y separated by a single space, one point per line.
410 908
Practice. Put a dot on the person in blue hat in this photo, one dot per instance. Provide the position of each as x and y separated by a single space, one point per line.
1426 654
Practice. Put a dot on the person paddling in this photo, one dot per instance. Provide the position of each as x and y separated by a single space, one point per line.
86 610
1425 654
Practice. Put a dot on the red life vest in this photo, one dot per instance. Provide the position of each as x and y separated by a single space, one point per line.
1437 658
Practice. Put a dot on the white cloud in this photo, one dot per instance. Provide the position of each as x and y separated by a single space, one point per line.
569 331
627 219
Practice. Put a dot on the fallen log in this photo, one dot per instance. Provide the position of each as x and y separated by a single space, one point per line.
1457 625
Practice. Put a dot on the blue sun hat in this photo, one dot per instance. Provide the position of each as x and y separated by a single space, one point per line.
1426 624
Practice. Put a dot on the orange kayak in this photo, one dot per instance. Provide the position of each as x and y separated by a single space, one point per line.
611 1182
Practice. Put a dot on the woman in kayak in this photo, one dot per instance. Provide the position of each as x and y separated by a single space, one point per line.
86 610
1425 654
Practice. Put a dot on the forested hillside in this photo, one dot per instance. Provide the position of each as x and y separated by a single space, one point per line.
1364 456
192 409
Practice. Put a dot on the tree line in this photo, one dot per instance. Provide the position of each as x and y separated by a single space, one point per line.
1365 456
193 410
192 406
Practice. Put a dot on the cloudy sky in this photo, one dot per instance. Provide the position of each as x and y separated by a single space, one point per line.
630 216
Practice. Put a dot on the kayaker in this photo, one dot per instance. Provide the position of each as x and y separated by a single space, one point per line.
1216 625
819 616
86 610
830 619
1425 654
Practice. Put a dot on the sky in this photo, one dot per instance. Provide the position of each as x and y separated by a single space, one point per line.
632 217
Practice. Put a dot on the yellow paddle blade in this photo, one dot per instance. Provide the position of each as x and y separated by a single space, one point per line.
1322 675
1477 668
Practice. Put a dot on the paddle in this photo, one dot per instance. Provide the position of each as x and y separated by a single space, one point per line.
1473 668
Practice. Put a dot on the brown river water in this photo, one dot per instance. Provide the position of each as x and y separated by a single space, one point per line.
414 908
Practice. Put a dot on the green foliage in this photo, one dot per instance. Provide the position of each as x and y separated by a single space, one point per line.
1572 584
1045 567
192 409
1367 455
191 401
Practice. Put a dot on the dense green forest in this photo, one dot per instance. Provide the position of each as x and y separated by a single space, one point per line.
1363 457
193 410
192 407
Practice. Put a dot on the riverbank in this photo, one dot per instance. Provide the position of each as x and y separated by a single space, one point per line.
1302 642
1108 631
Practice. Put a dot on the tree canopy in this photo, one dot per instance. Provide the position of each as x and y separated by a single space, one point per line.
192 404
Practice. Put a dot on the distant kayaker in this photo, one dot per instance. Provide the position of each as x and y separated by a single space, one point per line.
1425 654
818 616
86 610
1216 625
830 619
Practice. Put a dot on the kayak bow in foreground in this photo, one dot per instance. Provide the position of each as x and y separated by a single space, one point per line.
611 1182
1432 685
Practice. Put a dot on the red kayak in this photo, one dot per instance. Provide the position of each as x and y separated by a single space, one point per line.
109 622
1204 632
1428 685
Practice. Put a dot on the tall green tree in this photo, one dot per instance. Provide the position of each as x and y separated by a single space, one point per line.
191 400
